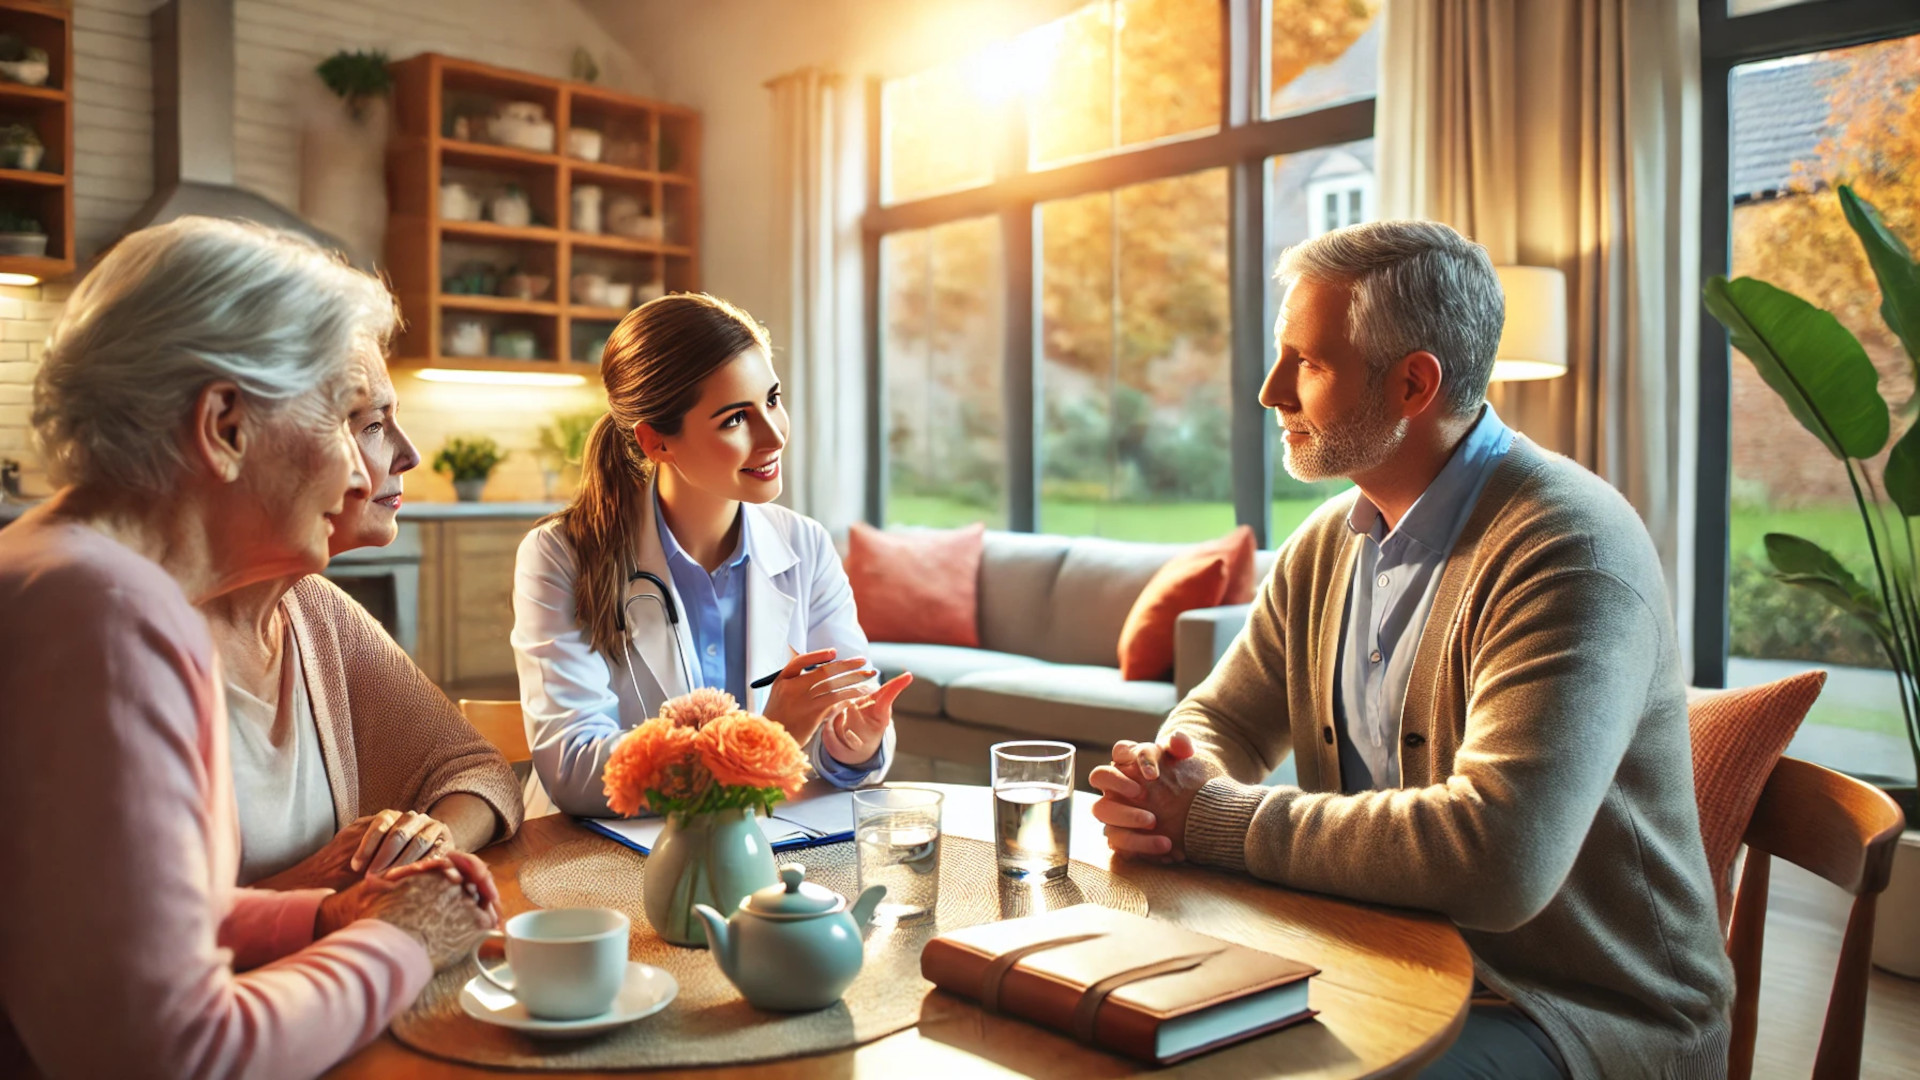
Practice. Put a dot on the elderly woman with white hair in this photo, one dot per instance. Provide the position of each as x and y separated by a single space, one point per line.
346 757
193 399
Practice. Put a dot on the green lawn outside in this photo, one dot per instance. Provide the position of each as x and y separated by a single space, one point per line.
1150 522
1837 529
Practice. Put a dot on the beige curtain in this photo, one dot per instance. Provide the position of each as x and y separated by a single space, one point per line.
818 178
1565 133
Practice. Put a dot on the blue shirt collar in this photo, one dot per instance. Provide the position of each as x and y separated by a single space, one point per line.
1437 516
671 548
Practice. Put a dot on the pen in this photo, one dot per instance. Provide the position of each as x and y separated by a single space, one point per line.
767 680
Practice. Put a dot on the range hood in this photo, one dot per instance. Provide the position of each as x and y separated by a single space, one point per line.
193 65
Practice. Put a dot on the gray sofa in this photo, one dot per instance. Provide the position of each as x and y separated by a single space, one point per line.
1050 613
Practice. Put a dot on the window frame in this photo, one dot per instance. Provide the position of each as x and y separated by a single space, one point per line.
1726 42
1242 144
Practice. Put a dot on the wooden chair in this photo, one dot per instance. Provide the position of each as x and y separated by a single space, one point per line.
501 724
1845 831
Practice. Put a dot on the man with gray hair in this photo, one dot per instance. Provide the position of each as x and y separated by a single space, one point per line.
1471 658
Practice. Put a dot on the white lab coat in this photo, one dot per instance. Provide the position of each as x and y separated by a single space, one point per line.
576 704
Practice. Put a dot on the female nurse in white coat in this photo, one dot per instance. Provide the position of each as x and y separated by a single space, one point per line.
672 569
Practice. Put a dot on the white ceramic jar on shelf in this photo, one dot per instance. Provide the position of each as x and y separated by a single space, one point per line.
583 143
465 337
522 124
511 208
586 208
458 203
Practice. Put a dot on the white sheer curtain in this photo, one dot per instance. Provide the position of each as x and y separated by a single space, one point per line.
818 177
1567 134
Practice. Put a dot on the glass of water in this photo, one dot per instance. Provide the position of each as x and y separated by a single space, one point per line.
1032 807
897 833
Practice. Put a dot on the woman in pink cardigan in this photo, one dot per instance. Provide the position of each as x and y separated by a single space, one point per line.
346 757
193 399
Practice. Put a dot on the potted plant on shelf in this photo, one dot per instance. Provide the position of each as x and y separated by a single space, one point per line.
1831 386
708 767
22 63
20 147
469 460
21 234
562 446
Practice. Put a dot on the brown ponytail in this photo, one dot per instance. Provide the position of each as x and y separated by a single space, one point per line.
653 366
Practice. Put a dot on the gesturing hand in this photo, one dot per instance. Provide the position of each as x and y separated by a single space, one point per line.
1146 794
855 733
801 700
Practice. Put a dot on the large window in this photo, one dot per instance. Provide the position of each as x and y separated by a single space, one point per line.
1074 240
1808 105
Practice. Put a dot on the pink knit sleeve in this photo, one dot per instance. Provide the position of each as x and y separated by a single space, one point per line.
120 845
265 925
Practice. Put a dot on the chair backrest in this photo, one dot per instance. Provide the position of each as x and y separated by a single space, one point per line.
500 723
1844 830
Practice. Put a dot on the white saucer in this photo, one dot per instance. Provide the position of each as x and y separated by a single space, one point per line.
646 991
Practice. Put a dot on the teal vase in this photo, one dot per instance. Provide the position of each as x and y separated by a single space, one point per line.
717 859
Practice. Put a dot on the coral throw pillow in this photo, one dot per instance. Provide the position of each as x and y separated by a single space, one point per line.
921 586
1237 549
1737 736
1196 579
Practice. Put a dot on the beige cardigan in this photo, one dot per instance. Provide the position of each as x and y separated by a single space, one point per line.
1547 803
390 738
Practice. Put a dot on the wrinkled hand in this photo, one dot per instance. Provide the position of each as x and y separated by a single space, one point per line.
371 844
446 903
802 700
854 734
1146 794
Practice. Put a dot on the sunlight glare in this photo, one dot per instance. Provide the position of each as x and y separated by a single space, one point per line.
1009 71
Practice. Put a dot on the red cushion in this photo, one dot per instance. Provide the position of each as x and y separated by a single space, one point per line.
920 586
1737 736
1237 549
1196 579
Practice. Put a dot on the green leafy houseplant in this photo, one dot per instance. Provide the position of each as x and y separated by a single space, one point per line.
468 457
357 76
1827 381
563 443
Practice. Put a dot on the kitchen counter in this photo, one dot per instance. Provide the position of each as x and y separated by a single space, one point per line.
456 511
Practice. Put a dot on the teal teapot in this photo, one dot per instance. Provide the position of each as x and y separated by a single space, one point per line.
794 946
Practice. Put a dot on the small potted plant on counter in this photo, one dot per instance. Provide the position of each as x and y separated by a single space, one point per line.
469 460
20 147
21 234
563 444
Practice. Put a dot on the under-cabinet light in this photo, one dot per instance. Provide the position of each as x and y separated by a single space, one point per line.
501 378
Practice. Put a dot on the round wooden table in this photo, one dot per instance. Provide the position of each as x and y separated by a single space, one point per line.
1392 992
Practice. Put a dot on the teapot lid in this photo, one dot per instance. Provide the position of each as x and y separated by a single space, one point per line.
794 896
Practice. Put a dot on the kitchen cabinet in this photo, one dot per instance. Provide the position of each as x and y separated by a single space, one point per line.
466 602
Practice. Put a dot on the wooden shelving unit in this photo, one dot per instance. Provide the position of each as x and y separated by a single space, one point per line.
47 192
423 249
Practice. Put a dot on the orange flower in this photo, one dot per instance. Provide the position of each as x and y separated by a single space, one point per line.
743 750
656 756
695 708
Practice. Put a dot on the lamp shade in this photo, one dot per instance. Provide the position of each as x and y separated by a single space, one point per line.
1533 343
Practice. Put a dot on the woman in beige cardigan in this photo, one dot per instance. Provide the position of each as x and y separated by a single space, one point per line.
346 757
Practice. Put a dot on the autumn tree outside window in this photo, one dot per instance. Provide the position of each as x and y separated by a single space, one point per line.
1070 258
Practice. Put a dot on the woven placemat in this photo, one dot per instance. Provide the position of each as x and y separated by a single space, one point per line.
709 1023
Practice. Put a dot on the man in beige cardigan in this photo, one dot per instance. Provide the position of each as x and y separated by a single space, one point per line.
1472 655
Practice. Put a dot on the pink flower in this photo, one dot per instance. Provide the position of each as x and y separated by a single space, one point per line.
696 709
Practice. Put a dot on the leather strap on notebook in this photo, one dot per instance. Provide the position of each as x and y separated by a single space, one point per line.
1089 1008
996 972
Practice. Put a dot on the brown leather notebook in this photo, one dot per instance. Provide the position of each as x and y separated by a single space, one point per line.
1150 990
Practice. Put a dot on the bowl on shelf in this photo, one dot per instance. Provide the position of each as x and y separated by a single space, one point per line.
617 294
465 337
523 125
583 143
523 286
25 72
649 291
14 243
516 345
585 288
458 203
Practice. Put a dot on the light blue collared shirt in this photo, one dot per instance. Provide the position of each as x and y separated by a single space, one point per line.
715 607
1395 577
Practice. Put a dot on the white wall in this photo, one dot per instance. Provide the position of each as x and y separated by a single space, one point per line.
716 56
278 43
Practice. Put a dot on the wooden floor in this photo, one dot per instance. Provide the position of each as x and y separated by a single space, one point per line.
1805 917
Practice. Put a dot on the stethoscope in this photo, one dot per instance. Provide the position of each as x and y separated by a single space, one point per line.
664 598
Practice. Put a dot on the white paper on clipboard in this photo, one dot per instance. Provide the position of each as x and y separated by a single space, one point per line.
820 814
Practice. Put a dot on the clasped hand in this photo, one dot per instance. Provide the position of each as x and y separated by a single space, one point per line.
446 903
1145 795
